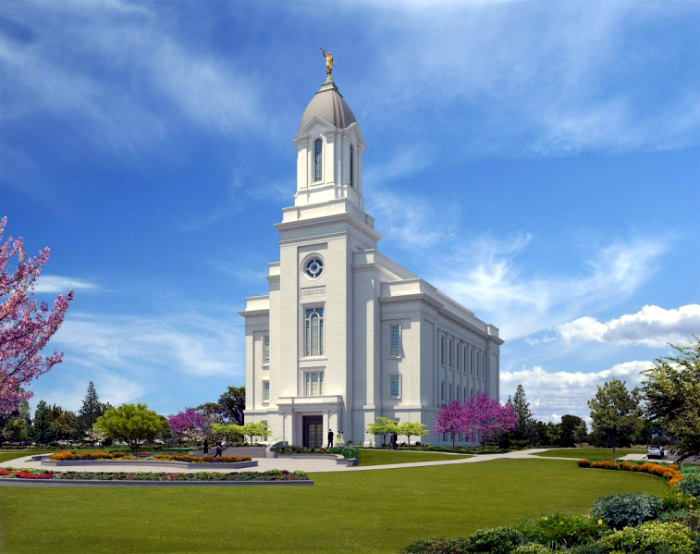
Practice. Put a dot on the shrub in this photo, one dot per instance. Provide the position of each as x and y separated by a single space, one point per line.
501 540
563 530
435 545
591 548
584 463
677 500
531 548
626 510
690 485
651 538
690 520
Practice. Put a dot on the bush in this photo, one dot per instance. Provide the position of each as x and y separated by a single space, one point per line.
440 545
690 485
626 510
652 538
531 548
677 500
562 530
691 520
501 540
591 548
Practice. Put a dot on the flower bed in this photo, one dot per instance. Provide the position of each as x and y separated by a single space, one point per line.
101 456
669 472
347 452
40 474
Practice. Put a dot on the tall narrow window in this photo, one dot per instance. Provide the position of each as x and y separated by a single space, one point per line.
318 153
314 331
395 350
352 166
451 351
266 349
313 383
266 391
394 385
442 350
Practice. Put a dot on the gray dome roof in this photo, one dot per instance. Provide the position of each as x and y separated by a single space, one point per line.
329 104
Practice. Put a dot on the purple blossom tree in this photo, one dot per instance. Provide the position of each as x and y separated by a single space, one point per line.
25 325
190 424
450 420
486 415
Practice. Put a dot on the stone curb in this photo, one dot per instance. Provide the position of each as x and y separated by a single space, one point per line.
14 482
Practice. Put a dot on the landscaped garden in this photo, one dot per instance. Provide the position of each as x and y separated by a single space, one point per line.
375 457
369 511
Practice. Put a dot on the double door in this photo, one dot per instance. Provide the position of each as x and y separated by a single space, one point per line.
313 431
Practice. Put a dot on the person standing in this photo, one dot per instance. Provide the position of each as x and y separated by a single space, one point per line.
206 447
330 438
342 439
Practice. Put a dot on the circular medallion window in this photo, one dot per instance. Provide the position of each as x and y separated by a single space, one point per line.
313 267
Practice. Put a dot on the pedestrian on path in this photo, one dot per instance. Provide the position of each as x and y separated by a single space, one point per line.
330 438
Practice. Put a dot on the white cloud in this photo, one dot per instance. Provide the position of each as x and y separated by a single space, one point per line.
651 326
552 394
55 284
486 278
186 343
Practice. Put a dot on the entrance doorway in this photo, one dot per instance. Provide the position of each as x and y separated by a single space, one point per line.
313 431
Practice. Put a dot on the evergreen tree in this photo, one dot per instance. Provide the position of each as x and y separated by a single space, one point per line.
615 412
90 410
524 415
42 432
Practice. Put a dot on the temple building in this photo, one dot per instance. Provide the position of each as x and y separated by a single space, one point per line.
346 334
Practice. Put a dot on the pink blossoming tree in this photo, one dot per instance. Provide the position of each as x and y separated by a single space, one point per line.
480 413
25 325
190 424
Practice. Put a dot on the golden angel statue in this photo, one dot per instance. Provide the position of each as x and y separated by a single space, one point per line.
330 62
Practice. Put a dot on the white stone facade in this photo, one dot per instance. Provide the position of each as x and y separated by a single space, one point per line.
346 334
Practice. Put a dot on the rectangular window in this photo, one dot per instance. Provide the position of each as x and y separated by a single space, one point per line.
266 349
394 385
442 393
313 383
395 349
314 332
266 391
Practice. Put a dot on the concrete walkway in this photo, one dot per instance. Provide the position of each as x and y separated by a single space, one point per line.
310 465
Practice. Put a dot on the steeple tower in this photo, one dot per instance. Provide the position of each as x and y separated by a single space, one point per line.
329 151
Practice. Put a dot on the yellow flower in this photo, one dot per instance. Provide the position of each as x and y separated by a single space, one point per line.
600 522
546 518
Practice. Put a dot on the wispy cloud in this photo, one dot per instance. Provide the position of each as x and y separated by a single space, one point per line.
487 278
651 326
55 284
180 343
553 394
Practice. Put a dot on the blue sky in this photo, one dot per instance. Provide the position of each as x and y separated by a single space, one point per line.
539 161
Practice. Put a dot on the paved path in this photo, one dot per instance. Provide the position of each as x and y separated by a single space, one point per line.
309 465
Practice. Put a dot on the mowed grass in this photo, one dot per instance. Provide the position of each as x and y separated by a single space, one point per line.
362 511
373 457
595 454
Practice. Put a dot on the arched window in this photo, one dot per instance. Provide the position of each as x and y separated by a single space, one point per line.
352 166
314 331
318 151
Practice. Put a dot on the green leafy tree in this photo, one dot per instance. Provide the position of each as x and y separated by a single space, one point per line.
253 430
569 430
615 412
42 432
383 427
672 393
232 403
412 429
90 410
64 423
16 430
230 431
132 423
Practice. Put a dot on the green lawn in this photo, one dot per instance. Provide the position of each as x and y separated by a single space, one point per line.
589 453
364 511
373 457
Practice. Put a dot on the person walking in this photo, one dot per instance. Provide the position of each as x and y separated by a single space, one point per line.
330 438
395 440
219 449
